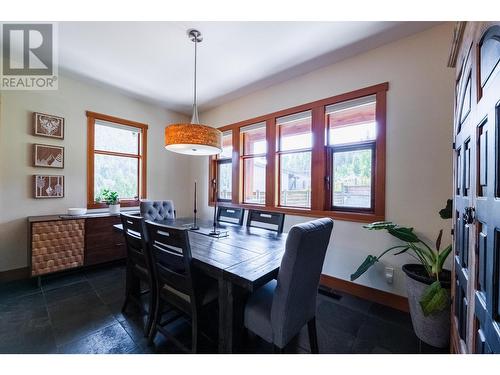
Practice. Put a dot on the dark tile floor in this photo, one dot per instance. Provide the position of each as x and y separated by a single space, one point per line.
81 313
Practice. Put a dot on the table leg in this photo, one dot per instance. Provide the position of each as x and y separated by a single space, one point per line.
231 315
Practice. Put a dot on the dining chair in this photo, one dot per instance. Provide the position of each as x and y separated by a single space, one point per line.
177 285
278 310
139 267
230 215
157 210
266 220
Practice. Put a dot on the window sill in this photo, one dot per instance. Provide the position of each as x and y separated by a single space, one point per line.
129 203
359 217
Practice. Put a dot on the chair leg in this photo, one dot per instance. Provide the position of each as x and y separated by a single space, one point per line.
278 350
313 337
150 313
194 334
156 320
127 289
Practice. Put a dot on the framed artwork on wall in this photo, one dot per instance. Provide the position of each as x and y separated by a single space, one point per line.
48 156
48 125
48 186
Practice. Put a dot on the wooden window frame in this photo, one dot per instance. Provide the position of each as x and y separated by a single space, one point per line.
142 156
320 204
279 152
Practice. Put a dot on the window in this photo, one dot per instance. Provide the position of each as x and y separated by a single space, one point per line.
224 168
116 159
254 163
325 158
294 158
352 130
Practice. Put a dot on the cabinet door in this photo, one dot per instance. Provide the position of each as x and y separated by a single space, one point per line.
102 242
56 246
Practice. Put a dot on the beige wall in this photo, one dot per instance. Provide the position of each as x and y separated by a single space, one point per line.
419 127
166 171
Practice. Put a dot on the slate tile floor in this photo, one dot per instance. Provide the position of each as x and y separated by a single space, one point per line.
81 313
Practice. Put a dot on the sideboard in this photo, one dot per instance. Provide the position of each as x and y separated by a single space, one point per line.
62 242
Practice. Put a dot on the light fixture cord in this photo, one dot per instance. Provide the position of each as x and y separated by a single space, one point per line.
194 118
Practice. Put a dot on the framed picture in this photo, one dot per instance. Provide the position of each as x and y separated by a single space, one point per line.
48 156
45 186
48 125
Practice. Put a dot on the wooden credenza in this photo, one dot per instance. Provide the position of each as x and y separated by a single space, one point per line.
58 243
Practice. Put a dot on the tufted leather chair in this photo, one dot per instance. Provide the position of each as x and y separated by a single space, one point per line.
157 210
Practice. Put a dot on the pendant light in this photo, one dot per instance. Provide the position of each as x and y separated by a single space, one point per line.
193 138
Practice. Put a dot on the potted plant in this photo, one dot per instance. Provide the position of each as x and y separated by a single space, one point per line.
427 283
112 200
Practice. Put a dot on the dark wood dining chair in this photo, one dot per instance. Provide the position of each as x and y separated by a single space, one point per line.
177 285
139 267
230 215
266 220
278 310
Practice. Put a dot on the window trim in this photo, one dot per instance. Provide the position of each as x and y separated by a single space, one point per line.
319 157
142 170
218 164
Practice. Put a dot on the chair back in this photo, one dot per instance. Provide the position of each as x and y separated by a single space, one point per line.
171 255
266 220
157 210
138 256
230 215
294 301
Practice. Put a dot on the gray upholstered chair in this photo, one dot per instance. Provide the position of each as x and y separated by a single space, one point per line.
277 311
157 210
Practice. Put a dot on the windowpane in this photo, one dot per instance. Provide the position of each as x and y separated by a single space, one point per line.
225 183
254 139
295 179
352 121
116 173
352 178
254 189
115 138
227 146
295 131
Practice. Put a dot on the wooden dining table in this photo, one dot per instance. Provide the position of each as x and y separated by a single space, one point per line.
241 262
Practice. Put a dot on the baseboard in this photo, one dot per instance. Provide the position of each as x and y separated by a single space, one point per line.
12 275
365 292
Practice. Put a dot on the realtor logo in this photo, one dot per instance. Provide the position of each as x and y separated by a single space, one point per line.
28 57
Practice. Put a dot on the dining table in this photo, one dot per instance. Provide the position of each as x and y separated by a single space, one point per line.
241 260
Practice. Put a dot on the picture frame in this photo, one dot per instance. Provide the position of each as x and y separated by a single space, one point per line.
48 156
45 125
48 186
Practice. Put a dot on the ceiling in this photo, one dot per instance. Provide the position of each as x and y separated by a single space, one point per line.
154 61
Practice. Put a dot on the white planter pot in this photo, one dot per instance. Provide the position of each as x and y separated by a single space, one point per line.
114 208
433 329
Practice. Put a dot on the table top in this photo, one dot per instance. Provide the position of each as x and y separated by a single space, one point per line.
248 256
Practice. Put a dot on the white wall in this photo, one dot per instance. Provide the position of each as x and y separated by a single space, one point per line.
166 171
419 129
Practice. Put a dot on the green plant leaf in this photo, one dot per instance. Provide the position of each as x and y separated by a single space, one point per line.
438 240
369 261
402 251
380 225
434 299
404 234
447 212
442 257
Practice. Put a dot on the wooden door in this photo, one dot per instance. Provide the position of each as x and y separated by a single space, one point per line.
476 261
486 320
464 147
